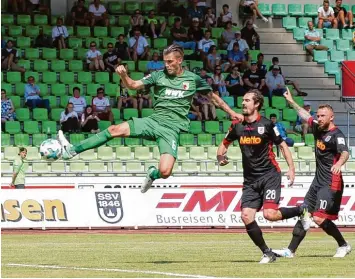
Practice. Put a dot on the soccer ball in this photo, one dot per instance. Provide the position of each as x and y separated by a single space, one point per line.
50 150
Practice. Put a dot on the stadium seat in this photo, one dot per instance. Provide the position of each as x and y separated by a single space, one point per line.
115 7
286 124
234 153
84 77
58 89
350 166
47 30
212 127
303 23
97 167
76 138
37 139
131 6
12 127
342 45
212 152
78 167
33 74
124 21
327 43
187 140
11 153
309 139
7 19
136 75
49 53
147 6
204 140
289 23
102 77
124 153
311 10
88 155
31 127
40 114
40 65
13 77
20 88
183 154
7 87
32 53
217 32
75 43
103 125
58 65
66 54
89 40
21 140
347 34
23 20
83 31
100 31
105 153
142 153
16 101
107 40
15 31
134 166
305 153
269 111
337 55
32 153
6 168
40 20
320 56
58 166
331 67
279 102
220 114
76 65
132 141
148 112
52 101
149 142
226 125
5 139
129 113
279 9
295 10
66 77
196 64
115 142
229 100
289 114
264 9
195 127
197 153
23 114
332 34
91 89
142 66
350 55
23 42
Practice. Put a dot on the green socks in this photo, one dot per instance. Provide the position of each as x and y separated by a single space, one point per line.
155 173
93 142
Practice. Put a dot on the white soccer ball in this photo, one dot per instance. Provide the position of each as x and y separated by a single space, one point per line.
50 150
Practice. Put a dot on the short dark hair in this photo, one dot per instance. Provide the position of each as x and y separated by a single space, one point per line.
99 89
275 59
173 48
273 115
22 149
257 98
236 44
3 90
225 6
76 88
177 19
121 35
260 55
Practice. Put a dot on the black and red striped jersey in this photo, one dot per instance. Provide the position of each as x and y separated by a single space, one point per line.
328 147
256 141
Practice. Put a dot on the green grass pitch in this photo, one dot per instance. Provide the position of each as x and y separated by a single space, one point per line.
167 255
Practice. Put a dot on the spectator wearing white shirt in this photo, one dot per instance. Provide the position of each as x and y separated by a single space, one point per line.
35 5
225 16
326 17
139 46
69 119
251 6
98 14
205 44
78 101
243 45
94 58
60 34
101 106
275 82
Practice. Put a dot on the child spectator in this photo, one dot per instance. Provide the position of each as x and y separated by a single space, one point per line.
210 19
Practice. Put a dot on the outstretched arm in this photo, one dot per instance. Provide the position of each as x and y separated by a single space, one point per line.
215 99
305 115
127 81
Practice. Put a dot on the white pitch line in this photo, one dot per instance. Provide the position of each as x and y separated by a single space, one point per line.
108 270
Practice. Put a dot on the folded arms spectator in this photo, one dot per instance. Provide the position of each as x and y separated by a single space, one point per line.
32 97
312 39
180 37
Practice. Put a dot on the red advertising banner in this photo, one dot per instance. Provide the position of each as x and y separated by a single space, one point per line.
348 79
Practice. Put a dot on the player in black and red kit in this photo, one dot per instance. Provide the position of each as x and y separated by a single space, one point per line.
262 177
323 198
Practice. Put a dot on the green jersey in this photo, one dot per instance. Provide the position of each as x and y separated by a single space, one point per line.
173 95
20 169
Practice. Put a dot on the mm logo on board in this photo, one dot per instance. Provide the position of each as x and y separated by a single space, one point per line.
46 210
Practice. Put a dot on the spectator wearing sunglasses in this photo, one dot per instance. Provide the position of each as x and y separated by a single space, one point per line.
251 36
111 58
94 59
101 106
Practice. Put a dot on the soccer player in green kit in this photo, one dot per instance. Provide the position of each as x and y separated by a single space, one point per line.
174 89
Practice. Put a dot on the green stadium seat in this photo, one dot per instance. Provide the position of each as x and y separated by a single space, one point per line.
11 153
43 87
58 166
132 141
286 124
107 40
7 19
289 23
115 142
219 138
190 167
295 10
23 42
20 88
212 127
6 168
187 140
212 152
58 89
279 9
32 53
37 139
195 127
124 153
64 100
112 90
100 31
103 125
89 40
40 20
217 32
31 127
40 114
299 100
350 55
309 139
332 34
197 153
234 153
47 30
21 140
289 114
83 31
105 153
23 114
55 113
347 34
76 65
327 43
88 155
147 112
131 65
226 125
311 10
196 64
183 154
16 101
320 56
142 66
131 6
264 9
84 77
49 77
147 6
331 67
40 65
296 138
204 140
78 167
136 75
12 127
337 55
115 7
49 53
5 139
102 77
303 23
129 113
76 138
116 30
52 101
160 43
32 153
142 153
221 114
66 77
149 142
23 20
58 65
15 31
66 54
124 20
91 89
75 42
7 87
305 153
116 79
298 34
13 77
269 111
134 166
279 102
342 45
111 20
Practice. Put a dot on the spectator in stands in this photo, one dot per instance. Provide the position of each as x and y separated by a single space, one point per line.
137 21
32 97
194 11
78 101
342 15
275 82
206 107
153 27
210 19
60 35
312 39
17 6
275 61
243 45
144 100
101 105
125 100
36 5
225 16
69 119
205 44
195 32
249 34
79 14
237 57
260 63
215 59
283 132
228 35
234 82
89 121
98 14
3 44
94 59
194 113
122 48
251 6
155 64
139 46
7 109
218 82
9 58
179 35
111 58
301 125
43 40
20 167
326 17
254 79
203 74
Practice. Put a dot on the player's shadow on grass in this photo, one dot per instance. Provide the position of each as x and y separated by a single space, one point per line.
316 256
172 262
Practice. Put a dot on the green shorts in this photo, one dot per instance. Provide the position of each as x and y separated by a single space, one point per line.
148 128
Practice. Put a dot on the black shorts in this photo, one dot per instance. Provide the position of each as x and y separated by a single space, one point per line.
247 10
265 192
323 201
20 186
